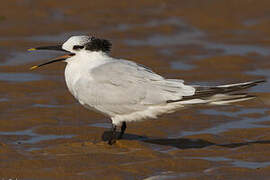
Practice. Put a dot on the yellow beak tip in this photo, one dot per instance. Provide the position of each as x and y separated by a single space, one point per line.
31 49
33 67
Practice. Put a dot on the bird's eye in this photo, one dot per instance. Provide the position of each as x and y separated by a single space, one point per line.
78 47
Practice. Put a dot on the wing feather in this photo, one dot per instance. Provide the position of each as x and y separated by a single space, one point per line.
133 86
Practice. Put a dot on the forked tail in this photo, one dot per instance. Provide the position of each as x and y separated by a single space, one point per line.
218 95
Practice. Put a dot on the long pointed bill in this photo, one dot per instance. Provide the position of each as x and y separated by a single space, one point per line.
61 58
56 48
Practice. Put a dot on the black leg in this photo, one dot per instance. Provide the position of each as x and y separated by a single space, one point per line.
113 138
123 128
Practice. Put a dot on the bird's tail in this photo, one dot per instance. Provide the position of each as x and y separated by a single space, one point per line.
223 99
219 95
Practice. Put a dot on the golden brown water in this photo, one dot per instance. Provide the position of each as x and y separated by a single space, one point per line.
45 134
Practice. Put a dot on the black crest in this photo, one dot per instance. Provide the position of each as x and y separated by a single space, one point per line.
98 45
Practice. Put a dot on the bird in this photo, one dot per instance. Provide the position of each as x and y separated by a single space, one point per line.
126 91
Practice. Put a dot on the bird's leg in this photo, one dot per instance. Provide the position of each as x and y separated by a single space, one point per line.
123 128
113 138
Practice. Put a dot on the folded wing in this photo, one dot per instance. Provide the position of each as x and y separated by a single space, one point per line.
132 87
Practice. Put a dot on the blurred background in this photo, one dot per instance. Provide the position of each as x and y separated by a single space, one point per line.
46 134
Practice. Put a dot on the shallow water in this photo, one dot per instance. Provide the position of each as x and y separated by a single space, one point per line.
21 58
46 134
237 163
241 122
34 137
193 36
19 77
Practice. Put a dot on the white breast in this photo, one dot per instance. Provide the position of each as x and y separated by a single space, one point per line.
78 71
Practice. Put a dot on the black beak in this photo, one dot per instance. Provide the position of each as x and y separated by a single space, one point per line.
61 58
55 48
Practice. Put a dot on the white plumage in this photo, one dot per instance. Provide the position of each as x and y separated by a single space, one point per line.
126 91
120 89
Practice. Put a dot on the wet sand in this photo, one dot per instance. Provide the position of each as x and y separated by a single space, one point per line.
46 134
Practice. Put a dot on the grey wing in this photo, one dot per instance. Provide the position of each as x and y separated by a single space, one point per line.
125 87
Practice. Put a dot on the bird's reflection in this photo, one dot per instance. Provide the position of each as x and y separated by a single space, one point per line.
183 143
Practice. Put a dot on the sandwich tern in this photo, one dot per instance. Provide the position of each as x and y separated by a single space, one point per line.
126 91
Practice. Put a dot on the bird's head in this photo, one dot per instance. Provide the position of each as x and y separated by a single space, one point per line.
74 45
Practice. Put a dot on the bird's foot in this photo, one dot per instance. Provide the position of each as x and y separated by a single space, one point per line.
123 129
112 136
112 141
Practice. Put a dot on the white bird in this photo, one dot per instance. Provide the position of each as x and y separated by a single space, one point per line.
126 91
